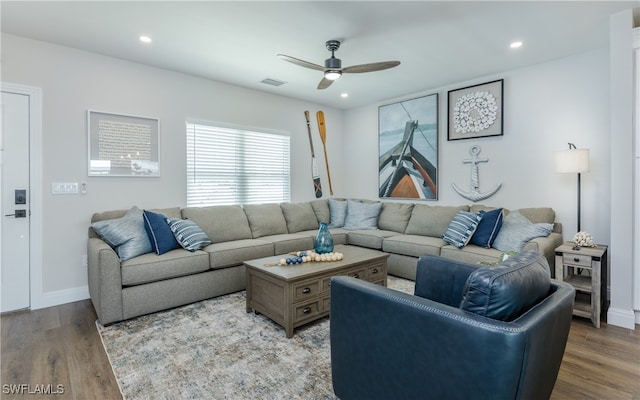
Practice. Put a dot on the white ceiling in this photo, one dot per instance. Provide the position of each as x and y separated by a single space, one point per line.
438 42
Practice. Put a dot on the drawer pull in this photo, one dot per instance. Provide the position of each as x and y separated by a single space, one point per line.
374 271
306 310
576 259
355 276
306 290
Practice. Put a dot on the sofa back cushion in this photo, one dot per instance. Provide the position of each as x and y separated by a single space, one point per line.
220 223
509 289
395 216
539 215
299 217
265 219
431 220
321 208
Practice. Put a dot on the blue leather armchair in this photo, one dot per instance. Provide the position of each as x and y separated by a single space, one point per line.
469 332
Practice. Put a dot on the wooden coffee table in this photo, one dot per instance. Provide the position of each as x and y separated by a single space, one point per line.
295 295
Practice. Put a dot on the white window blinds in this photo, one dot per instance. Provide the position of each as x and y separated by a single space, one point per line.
232 166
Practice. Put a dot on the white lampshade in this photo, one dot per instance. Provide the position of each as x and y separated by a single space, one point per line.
571 161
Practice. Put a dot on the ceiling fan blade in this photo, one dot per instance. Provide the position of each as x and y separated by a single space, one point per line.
379 66
301 63
324 83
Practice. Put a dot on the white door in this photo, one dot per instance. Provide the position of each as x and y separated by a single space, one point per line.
14 193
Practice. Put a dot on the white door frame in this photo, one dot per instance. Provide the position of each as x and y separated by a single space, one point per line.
35 186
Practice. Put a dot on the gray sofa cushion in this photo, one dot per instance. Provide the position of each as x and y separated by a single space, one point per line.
287 243
321 208
220 223
299 217
395 216
413 245
509 289
152 267
371 238
471 254
228 254
431 220
265 219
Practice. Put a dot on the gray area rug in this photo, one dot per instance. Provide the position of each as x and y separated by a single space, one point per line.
214 349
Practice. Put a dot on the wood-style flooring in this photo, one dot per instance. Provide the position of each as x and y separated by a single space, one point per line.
60 345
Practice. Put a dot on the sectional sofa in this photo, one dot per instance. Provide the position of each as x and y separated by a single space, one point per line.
124 285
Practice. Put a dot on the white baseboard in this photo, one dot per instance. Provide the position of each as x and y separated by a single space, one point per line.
50 299
620 317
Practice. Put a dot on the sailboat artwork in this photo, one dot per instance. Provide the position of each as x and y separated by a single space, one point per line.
408 148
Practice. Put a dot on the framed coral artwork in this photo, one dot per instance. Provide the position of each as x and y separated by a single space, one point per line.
476 111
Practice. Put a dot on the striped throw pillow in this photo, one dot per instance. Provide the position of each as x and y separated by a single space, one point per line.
461 228
188 234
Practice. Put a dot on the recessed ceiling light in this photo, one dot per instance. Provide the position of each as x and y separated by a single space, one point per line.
516 44
344 95
145 39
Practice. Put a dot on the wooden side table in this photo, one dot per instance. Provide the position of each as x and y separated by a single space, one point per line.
586 270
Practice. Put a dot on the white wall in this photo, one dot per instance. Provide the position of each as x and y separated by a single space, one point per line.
545 107
74 81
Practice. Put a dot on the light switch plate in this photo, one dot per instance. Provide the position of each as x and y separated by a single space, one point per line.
64 188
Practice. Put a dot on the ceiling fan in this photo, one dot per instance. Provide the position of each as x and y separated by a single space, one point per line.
333 66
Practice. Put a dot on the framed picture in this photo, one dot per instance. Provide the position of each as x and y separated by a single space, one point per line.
123 145
408 149
475 111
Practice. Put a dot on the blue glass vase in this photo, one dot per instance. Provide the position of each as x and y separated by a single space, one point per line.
323 242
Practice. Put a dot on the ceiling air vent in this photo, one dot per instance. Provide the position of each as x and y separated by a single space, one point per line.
272 82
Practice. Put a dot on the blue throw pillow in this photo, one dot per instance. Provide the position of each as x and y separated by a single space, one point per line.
461 228
126 235
188 234
488 228
160 235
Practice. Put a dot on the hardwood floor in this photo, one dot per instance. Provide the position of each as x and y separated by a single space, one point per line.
61 346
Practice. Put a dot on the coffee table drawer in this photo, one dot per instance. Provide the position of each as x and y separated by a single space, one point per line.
376 271
306 290
359 273
307 311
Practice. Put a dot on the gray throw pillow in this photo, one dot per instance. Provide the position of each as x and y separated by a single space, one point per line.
126 235
338 212
362 215
517 230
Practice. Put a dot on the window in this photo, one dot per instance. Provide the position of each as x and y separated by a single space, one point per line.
233 166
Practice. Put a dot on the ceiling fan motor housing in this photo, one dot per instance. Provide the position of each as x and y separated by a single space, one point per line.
333 63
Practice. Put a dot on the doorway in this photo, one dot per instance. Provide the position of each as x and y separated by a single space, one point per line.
20 218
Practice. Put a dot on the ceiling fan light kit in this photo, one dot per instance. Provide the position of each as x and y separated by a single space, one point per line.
333 66
332 74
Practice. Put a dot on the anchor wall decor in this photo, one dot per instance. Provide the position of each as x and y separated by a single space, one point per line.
474 194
